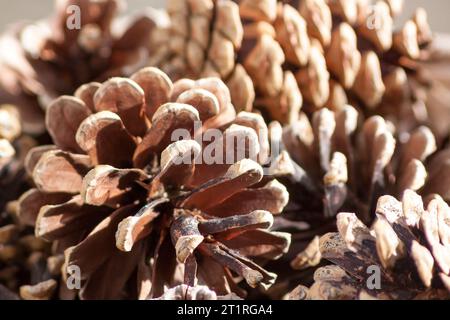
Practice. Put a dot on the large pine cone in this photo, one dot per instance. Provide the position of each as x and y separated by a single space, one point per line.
342 162
325 52
408 244
43 60
133 197
339 162
339 52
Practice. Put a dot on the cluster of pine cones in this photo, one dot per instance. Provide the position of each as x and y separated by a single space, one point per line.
338 190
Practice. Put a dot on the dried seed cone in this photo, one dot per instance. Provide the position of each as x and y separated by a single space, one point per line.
339 162
407 245
339 52
42 60
168 211
327 53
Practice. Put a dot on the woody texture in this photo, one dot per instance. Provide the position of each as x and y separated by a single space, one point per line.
225 150
408 242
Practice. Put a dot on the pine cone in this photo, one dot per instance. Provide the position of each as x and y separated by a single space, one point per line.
208 39
340 52
205 36
338 162
43 60
408 244
328 53
115 191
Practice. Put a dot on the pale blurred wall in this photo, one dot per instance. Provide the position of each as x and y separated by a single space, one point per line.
438 11
10 11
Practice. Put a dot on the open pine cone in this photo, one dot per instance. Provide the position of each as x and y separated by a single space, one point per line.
339 52
339 162
117 190
407 243
325 52
43 60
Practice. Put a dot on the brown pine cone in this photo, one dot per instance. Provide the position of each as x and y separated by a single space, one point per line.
159 51
407 245
340 52
342 163
129 200
338 162
205 36
43 60
22 256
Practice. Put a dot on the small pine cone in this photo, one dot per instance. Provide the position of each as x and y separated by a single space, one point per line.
43 60
136 198
184 292
339 52
407 247
205 36
24 261
337 163
342 52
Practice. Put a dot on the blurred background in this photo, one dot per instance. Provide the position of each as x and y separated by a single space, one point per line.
10 11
